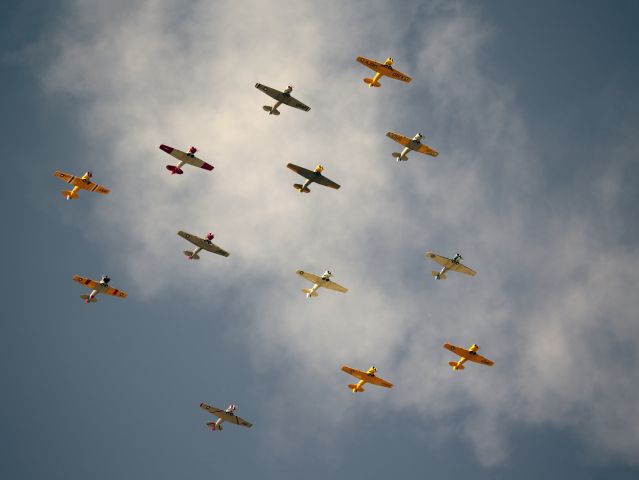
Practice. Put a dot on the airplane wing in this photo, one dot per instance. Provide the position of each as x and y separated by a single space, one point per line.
311 277
271 92
83 184
366 377
322 180
443 261
115 292
304 172
314 176
401 139
468 355
204 244
293 102
458 267
183 157
396 74
333 286
87 282
427 150
372 64
226 416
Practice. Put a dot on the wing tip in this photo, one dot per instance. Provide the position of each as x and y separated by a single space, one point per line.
166 148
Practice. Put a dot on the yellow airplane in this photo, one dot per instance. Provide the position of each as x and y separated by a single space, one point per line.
382 69
80 183
470 354
365 377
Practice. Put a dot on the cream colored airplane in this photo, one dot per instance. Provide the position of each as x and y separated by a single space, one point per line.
382 70
318 282
80 183
413 144
470 354
365 377
98 287
227 415
201 244
187 158
449 264
281 98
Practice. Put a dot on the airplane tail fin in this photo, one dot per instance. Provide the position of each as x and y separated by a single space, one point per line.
173 169
299 188
398 156
271 110
214 427
371 83
438 276
191 255
455 366
308 293
87 299
69 194
355 388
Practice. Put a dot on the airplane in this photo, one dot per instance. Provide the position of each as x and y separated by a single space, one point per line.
470 354
201 244
82 183
98 287
318 282
382 69
282 98
311 176
449 264
184 157
227 415
365 377
410 144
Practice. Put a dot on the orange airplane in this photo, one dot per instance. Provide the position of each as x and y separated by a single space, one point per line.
80 183
382 70
365 377
470 354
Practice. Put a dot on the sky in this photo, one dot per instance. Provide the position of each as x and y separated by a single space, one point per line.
533 109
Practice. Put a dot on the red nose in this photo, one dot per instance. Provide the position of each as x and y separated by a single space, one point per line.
210 236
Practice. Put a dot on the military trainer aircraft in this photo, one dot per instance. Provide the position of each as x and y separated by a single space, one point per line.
318 282
201 244
227 415
410 144
311 176
382 69
184 157
365 377
281 98
98 287
449 264
470 354
81 183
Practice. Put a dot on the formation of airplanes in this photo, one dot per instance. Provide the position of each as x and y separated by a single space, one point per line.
205 243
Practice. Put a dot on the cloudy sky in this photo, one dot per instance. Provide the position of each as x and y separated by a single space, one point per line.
533 108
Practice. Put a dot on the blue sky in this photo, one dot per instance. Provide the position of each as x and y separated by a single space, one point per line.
533 109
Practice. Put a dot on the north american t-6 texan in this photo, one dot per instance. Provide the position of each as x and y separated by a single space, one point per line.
281 98
201 244
188 158
365 377
449 264
80 183
98 287
382 70
319 282
227 415
413 144
470 354
311 176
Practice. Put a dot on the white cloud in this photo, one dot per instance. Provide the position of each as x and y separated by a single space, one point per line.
541 305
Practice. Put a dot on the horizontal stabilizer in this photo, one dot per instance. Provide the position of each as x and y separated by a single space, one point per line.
355 388
371 83
213 427
191 255
69 194
455 366
308 293
271 110
397 154
87 299
174 169
298 187
438 276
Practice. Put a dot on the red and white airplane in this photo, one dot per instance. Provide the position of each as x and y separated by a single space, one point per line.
184 157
